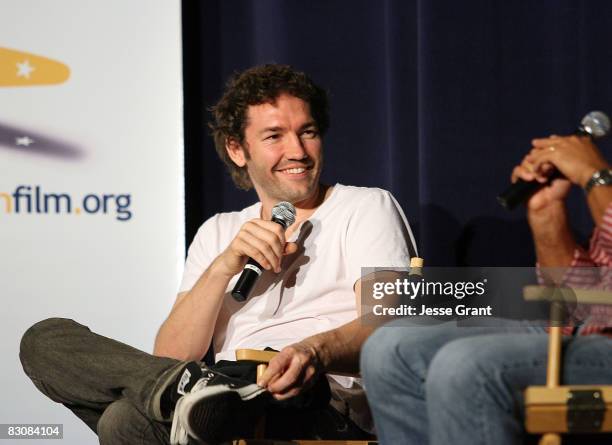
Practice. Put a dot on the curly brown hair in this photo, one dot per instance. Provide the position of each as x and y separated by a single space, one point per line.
255 86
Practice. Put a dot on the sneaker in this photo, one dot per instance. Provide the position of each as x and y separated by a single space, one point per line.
217 409
179 382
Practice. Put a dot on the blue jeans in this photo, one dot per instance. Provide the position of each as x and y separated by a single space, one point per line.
463 385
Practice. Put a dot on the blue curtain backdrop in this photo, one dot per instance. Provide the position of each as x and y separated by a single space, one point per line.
433 100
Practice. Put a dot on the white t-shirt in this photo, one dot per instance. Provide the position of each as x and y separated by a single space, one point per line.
355 227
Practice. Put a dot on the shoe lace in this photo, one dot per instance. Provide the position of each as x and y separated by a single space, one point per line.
207 376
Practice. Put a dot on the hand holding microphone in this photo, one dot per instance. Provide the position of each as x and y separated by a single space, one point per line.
577 158
261 245
537 168
573 157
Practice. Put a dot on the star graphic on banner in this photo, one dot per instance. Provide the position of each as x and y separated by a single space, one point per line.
24 69
24 141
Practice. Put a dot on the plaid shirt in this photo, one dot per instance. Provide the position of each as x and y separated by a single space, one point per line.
592 270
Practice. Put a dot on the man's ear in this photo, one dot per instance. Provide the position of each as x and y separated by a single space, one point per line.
235 152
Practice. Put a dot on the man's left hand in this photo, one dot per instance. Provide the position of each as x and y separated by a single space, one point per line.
293 370
577 158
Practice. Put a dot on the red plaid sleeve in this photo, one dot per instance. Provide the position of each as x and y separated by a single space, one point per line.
601 242
591 269
600 253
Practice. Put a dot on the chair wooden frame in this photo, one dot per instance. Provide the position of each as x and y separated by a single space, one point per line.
263 358
551 409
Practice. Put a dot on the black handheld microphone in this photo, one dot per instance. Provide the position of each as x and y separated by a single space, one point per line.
595 124
283 213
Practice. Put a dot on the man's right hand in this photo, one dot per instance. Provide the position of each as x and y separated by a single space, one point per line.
264 241
547 198
546 211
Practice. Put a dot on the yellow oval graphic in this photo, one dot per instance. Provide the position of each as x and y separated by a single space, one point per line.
20 69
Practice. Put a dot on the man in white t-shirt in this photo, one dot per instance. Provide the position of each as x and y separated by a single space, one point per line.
268 130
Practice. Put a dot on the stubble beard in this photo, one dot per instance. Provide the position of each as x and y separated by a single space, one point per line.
275 190
280 193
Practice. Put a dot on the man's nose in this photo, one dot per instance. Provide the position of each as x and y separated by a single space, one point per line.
295 148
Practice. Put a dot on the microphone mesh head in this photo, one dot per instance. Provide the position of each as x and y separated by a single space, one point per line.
284 212
596 123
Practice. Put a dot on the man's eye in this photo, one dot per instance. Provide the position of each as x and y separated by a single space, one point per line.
309 133
272 137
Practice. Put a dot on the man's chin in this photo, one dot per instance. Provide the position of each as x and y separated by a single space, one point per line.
295 195
291 197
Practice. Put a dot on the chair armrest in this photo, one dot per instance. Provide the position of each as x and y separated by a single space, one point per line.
255 355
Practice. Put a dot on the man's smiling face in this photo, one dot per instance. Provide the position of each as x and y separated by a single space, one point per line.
282 150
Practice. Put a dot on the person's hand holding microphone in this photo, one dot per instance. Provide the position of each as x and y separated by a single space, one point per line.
557 162
576 158
259 244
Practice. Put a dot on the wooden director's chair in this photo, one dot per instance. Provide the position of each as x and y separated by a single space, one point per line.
264 357
555 408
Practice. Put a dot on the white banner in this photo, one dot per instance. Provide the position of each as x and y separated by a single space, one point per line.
91 178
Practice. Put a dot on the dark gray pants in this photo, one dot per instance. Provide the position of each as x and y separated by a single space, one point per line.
112 387
115 389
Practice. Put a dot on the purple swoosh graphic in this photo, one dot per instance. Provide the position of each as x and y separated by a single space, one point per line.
29 141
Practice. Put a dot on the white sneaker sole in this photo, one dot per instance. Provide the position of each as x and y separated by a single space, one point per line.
188 402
